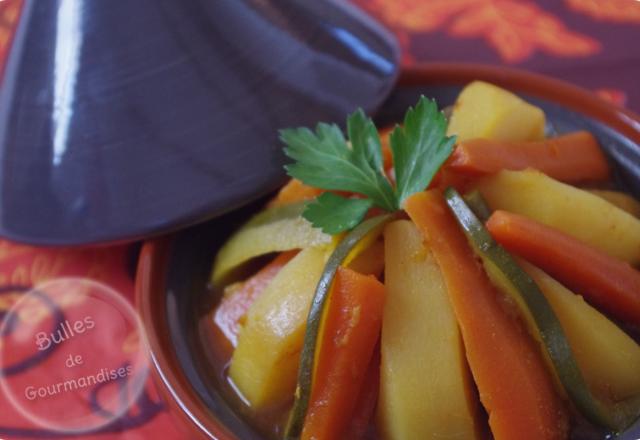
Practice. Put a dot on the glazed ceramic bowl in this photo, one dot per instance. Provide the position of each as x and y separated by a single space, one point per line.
172 293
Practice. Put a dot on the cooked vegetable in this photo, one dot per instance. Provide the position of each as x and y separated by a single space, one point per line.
543 324
478 205
575 157
619 199
272 230
365 406
608 357
294 192
573 211
239 296
455 305
385 144
507 366
370 261
350 333
605 281
426 391
352 245
264 363
447 177
324 159
486 111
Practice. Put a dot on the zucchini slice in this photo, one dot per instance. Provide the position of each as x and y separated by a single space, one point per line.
353 243
276 229
511 278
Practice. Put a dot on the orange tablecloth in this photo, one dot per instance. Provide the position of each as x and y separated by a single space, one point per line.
592 43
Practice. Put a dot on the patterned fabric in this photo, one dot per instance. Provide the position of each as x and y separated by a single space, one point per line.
586 42
22 267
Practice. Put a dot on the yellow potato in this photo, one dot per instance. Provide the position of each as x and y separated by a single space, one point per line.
265 363
484 110
608 357
272 230
576 212
620 199
425 385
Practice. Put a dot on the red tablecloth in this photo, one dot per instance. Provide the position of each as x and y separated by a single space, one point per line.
592 43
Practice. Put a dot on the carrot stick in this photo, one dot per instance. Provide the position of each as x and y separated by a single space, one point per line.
605 281
351 331
238 297
387 156
294 191
447 176
515 387
361 422
574 157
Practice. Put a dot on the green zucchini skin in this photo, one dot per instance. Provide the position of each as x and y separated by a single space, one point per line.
224 272
516 281
478 205
305 372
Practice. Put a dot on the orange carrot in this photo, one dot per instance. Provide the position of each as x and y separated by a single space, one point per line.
515 387
351 331
607 282
361 422
447 176
574 157
295 191
239 296
387 156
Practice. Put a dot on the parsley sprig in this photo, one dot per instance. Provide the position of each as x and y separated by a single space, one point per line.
326 160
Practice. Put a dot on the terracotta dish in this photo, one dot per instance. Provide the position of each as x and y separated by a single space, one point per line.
173 271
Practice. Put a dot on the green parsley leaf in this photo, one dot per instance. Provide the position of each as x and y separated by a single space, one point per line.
326 161
335 214
365 143
419 148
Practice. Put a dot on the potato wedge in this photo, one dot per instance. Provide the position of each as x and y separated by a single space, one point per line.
425 385
486 111
620 199
608 357
265 362
573 211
